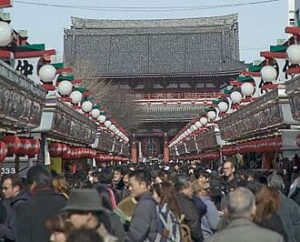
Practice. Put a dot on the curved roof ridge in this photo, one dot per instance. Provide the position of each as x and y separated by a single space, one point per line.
153 23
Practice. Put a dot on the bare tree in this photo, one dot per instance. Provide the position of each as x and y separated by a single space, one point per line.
116 100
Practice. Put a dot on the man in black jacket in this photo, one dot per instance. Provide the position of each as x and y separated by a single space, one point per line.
43 205
12 190
188 207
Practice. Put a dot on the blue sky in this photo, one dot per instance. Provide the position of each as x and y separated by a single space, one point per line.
259 24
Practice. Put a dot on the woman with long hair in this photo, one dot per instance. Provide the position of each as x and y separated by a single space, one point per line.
267 204
169 211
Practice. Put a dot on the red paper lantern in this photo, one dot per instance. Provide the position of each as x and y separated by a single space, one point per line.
34 148
13 144
68 154
3 151
56 149
25 147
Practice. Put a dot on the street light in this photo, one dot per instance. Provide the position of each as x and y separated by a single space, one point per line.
247 89
65 88
268 73
293 54
47 73
5 34
76 97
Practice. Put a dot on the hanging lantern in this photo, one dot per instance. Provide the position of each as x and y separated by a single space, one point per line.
13 144
112 127
203 120
101 118
65 88
95 113
87 106
76 97
211 114
293 54
25 147
236 97
194 127
223 106
47 73
67 154
198 124
107 123
55 149
34 148
268 73
247 89
3 151
5 34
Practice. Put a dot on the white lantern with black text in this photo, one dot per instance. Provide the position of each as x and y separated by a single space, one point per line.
5 34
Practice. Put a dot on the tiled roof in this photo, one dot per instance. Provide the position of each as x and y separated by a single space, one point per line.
127 48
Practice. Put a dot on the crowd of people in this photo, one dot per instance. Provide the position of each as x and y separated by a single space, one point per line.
175 202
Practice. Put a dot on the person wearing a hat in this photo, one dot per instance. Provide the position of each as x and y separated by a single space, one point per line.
85 211
210 220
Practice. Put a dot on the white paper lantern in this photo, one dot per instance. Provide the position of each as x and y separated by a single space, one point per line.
65 88
95 113
236 97
189 131
223 106
76 97
194 127
102 118
203 120
112 127
198 124
268 73
247 89
5 34
211 115
47 73
87 106
293 54
107 123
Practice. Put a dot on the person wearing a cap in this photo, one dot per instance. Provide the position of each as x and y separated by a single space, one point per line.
85 211
210 220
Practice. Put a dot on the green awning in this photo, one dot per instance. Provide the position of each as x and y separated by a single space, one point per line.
65 77
278 48
216 101
58 65
254 68
244 78
97 106
80 89
229 89
32 47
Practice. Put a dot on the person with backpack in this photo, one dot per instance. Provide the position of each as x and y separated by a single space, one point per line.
144 222
168 212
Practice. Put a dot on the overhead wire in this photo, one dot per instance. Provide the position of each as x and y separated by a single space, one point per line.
145 9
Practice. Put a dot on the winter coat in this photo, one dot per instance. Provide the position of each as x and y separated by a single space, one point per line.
289 213
33 214
8 229
144 223
274 223
210 221
191 217
244 230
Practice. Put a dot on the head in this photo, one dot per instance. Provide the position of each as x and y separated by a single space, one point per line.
164 192
201 188
267 202
126 179
183 185
117 174
59 228
60 184
229 169
139 182
83 207
12 184
276 181
240 203
39 177
84 235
